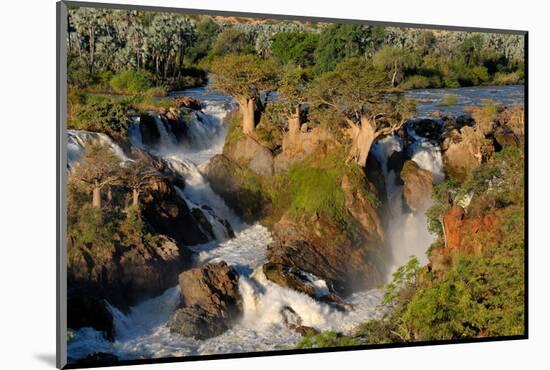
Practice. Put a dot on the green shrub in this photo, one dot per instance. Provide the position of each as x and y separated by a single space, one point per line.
132 82
107 117
504 78
417 82
132 227
449 100
326 339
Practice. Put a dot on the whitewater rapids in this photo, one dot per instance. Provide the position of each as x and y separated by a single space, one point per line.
143 331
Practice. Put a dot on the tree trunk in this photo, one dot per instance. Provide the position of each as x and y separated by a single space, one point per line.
363 138
394 76
96 197
135 198
294 122
91 35
246 107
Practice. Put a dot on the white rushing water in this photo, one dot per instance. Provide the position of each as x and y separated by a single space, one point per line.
407 231
78 139
143 331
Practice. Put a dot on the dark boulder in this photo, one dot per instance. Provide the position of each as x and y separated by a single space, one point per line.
293 278
168 214
86 309
210 301
428 128
196 322
150 134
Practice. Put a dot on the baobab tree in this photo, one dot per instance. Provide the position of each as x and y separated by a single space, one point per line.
358 92
98 168
244 77
137 176
292 89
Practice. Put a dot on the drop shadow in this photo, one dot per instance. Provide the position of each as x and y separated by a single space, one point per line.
46 358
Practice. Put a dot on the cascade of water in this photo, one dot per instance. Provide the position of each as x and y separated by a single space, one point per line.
78 139
407 233
143 332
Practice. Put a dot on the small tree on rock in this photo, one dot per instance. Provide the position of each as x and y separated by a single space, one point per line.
292 89
358 92
244 77
98 168
137 176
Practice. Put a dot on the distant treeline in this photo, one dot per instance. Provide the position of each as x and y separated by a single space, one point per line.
173 51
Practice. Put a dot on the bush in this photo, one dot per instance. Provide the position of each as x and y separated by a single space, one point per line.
449 100
327 339
132 82
107 117
295 47
417 82
132 227
512 78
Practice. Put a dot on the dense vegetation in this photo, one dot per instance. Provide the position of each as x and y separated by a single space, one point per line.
134 51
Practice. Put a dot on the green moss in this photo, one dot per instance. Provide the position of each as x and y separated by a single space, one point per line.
315 188
233 122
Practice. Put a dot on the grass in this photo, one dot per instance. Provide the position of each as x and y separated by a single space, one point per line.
449 100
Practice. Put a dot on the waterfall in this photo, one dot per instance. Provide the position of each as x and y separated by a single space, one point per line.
407 232
143 331
426 154
78 139
205 134
198 194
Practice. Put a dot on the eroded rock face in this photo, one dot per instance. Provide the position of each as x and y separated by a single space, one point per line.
299 146
186 102
466 234
222 174
362 210
125 274
169 214
314 246
248 153
466 151
210 301
417 185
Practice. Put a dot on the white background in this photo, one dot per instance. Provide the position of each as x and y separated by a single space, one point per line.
27 185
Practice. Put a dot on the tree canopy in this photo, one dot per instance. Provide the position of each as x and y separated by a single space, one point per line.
244 76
